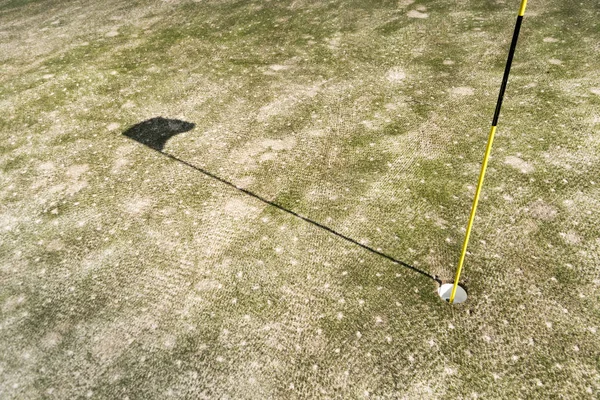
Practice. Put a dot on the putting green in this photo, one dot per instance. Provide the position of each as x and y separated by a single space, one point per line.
282 236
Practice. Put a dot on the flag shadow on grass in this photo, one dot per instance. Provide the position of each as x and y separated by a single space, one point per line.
155 133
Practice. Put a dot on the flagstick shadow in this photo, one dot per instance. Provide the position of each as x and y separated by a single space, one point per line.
158 148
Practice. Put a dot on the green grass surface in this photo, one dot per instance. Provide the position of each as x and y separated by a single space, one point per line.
127 274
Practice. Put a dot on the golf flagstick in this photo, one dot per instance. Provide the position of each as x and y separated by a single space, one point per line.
488 149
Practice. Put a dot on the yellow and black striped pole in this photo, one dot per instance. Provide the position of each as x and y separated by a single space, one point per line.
488 149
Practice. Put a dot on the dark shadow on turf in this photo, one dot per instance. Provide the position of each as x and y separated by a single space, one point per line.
155 132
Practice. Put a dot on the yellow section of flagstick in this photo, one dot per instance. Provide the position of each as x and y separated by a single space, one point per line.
522 9
463 253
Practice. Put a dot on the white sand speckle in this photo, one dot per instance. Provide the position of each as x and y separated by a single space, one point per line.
462 91
47 167
543 211
417 14
137 205
395 75
239 208
128 104
405 3
75 171
55 245
571 237
519 164
278 67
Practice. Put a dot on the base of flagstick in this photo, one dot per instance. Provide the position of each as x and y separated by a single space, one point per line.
446 290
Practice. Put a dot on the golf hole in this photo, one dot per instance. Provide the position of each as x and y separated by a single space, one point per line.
446 290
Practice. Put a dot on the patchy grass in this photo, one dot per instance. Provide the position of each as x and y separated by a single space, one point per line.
126 273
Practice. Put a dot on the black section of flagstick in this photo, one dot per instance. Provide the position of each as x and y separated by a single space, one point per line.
511 53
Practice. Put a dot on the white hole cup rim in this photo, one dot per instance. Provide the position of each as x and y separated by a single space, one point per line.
445 291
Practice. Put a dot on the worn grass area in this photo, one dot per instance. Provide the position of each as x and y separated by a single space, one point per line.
127 274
